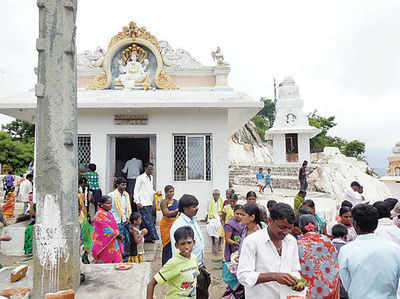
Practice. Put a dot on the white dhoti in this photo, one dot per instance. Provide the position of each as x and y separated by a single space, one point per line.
213 228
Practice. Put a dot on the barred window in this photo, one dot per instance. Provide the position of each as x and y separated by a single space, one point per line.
192 157
84 149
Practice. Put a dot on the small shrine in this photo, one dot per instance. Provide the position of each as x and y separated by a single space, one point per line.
394 161
291 132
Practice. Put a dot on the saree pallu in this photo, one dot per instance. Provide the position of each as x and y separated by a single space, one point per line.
106 247
165 227
8 207
319 266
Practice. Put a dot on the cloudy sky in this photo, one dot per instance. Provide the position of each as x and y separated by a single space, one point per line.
344 55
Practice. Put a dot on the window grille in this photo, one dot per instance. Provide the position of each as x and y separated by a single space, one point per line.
192 157
84 150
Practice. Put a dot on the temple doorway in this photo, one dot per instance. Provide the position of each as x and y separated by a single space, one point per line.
292 148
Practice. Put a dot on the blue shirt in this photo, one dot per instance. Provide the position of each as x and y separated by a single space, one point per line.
267 178
198 249
370 268
114 210
260 176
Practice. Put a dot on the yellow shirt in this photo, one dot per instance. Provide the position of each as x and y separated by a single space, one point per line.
229 213
180 275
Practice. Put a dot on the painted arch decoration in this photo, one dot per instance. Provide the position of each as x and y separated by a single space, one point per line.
133 61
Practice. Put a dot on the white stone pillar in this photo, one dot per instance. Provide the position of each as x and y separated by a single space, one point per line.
279 149
56 232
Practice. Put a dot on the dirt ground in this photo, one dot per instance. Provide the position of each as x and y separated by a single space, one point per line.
217 287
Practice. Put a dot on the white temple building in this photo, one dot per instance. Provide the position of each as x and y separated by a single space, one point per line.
291 132
392 179
141 98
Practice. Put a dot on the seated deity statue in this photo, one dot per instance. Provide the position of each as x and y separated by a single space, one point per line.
135 73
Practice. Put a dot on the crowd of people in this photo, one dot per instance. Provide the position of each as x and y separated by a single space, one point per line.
269 251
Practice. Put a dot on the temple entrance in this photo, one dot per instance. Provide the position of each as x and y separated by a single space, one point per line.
292 149
125 147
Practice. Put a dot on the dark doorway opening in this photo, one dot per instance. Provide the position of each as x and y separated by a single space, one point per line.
128 148
292 148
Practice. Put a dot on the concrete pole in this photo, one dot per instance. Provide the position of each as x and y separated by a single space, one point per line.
56 232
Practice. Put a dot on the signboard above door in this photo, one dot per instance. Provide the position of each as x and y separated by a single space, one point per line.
131 119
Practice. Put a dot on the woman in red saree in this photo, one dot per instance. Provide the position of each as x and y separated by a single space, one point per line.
318 260
107 245
8 207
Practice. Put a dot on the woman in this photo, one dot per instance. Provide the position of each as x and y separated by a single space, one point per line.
214 227
251 221
169 208
228 194
107 245
233 229
346 219
309 204
86 227
228 210
8 207
318 260
251 197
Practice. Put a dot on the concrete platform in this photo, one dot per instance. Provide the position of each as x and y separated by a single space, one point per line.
103 281
15 247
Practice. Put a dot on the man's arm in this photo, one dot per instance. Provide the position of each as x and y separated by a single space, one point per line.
246 272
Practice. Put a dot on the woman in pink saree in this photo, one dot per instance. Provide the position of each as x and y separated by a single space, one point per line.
107 245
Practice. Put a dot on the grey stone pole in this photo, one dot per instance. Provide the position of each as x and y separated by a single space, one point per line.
56 232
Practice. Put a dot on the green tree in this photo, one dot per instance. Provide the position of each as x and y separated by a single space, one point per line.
20 130
16 154
355 149
265 118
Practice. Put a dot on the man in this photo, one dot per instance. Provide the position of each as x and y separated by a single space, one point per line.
303 177
132 169
92 178
8 182
369 266
353 194
25 189
121 210
269 257
144 196
386 228
188 207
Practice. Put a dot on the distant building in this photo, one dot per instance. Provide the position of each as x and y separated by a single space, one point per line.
392 180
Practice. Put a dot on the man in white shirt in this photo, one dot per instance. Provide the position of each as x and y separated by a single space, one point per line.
144 195
353 194
386 228
25 189
269 260
132 170
121 210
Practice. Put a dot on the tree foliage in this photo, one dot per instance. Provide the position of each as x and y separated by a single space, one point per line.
20 130
15 154
265 118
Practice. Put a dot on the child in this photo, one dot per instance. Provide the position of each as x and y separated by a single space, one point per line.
267 178
137 239
228 210
260 180
233 229
181 271
339 233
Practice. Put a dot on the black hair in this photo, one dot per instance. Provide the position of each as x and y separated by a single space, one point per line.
365 217
282 211
168 187
382 208
238 207
251 193
10 172
344 210
102 200
183 232
186 201
92 167
252 209
29 176
234 197
391 202
339 231
21 175
355 184
269 169
308 203
135 216
305 162
271 203
120 180
304 211
82 180
305 220
260 169
347 203
148 164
